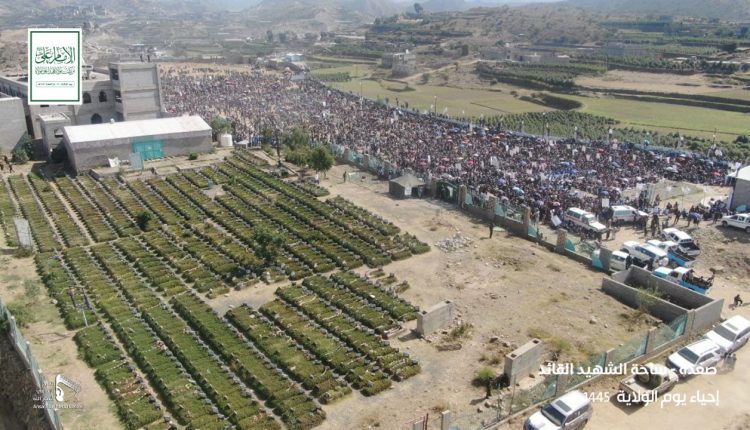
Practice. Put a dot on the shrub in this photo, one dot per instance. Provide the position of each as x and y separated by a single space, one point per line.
193 156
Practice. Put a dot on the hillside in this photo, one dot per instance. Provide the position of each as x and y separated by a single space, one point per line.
734 10
319 15
538 23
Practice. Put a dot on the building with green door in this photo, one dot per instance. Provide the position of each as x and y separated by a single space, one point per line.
91 146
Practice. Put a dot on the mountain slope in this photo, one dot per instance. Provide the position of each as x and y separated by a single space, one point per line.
320 14
735 10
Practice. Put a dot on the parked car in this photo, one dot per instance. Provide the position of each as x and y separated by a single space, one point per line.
740 221
643 253
683 241
617 260
732 334
584 220
685 277
570 411
695 358
651 381
621 214
675 255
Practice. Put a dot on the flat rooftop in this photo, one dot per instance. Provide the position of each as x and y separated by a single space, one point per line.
140 128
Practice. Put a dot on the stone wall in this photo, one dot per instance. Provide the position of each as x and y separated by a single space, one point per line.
17 388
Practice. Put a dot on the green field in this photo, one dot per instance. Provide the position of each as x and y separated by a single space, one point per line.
662 117
732 94
459 101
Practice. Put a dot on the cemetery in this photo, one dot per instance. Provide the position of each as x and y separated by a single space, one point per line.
132 263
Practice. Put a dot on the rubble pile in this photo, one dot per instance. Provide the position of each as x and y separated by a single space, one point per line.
454 243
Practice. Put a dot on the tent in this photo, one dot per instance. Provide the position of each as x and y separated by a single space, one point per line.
406 186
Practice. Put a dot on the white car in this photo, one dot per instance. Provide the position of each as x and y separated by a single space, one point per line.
731 334
645 253
695 358
571 411
740 221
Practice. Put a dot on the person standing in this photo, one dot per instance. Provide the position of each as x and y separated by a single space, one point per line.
492 227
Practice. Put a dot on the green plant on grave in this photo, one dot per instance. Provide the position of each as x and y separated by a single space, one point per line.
143 219
486 377
269 243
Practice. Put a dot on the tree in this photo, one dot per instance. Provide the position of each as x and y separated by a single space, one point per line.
486 376
25 151
268 242
220 125
321 159
418 8
298 138
143 219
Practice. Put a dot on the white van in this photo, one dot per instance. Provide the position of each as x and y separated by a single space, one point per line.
622 214
731 334
618 261
571 411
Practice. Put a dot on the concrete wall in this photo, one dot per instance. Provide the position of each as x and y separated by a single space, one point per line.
140 87
434 318
12 123
524 361
706 316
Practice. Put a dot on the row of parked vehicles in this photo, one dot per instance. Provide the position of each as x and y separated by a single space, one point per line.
574 409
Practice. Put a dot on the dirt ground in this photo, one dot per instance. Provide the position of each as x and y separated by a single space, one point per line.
504 287
53 346
654 82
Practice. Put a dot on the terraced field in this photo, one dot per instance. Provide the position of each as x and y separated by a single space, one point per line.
132 265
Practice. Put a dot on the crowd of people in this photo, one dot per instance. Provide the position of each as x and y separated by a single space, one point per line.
544 174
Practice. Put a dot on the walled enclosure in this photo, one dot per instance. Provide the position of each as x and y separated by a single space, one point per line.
703 311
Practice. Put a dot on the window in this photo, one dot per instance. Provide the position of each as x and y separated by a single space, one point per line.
96 119
114 74
58 132
102 96
118 97
86 98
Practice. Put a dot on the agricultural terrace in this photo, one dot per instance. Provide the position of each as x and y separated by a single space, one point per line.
132 266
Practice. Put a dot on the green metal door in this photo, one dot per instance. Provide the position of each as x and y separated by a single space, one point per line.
150 150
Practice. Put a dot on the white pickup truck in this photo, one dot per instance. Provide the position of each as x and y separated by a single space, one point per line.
643 253
684 242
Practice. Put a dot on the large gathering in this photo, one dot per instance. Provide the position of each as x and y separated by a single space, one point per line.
518 168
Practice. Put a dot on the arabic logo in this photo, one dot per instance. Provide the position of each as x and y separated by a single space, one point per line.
55 55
